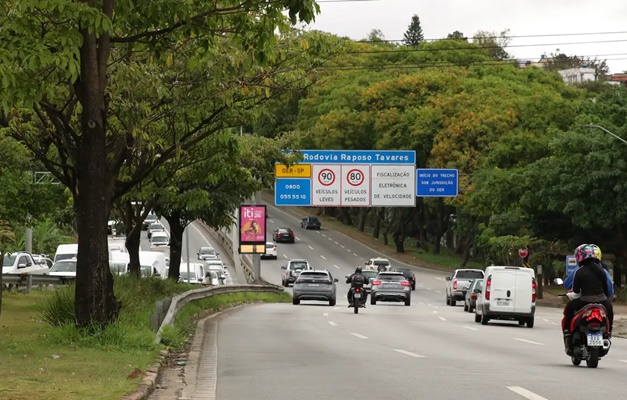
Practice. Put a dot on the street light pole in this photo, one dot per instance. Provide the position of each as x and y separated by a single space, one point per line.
606 131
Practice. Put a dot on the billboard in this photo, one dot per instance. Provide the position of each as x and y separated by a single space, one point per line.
252 229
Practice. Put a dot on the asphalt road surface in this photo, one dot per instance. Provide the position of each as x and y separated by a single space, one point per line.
390 351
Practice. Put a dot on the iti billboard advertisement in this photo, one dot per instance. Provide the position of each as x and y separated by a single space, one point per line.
252 223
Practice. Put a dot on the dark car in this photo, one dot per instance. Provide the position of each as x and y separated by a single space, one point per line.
311 223
409 275
470 301
285 235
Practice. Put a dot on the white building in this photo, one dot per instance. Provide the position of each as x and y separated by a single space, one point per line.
578 75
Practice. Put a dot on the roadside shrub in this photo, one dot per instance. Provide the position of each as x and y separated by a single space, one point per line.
621 295
58 308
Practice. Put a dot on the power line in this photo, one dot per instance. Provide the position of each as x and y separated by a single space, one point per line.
499 36
482 47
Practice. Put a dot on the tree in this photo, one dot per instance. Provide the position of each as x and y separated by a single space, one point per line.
59 99
493 43
413 35
457 35
558 61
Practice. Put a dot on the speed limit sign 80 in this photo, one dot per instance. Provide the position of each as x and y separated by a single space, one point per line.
355 177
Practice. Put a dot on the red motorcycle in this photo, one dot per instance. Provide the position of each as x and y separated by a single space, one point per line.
589 334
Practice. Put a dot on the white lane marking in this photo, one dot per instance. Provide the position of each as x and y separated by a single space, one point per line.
324 235
525 393
437 291
330 239
332 323
271 221
528 341
336 266
318 232
435 312
355 254
326 314
442 318
323 257
554 323
420 286
310 247
335 242
349 250
471 328
285 255
421 302
545 320
359 336
625 361
429 288
409 353
297 238
342 246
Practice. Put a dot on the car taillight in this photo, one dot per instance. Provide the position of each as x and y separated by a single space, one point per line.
455 284
291 234
487 288
473 295
376 282
404 283
533 291
274 249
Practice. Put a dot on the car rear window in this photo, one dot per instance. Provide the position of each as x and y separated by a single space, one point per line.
469 274
298 265
379 262
391 277
269 245
314 277
283 230
369 274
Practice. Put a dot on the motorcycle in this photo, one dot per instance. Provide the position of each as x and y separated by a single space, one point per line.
589 327
358 299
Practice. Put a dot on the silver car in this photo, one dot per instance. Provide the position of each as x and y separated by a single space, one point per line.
314 285
390 286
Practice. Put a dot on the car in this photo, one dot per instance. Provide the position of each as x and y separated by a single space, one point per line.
64 268
390 286
292 269
285 235
457 285
155 227
215 262
207 253
159 239
379 264
271 251
314 285
150 218
409 274
212 278
22 263
370 274
196 273
509 293
311 223
470 301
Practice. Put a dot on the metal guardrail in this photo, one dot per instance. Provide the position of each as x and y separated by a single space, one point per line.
30 280
226 240
182 299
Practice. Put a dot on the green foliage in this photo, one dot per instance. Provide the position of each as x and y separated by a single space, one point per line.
413 36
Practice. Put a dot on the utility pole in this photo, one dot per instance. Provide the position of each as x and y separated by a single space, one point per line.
39 178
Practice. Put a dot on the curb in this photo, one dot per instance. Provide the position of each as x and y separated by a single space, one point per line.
148 383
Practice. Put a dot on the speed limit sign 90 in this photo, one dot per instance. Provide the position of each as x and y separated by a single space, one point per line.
355 177
326 177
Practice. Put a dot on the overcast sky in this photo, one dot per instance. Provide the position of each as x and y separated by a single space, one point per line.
356 19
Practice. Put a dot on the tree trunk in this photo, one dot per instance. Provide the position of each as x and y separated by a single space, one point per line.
378 216
466 254
176 244
363 214
399 241
133 243
345 216
95 304
1 284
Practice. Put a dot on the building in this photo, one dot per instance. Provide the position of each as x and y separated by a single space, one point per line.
578 75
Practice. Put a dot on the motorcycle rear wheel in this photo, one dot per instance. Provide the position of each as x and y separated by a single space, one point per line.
593 358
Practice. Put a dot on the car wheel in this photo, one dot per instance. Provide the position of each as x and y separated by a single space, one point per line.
471 309
477 317
373 301
408 301
275 257
465 306
521 322
453 302
530 322
332 302
295 301
413 286
484 319
448 300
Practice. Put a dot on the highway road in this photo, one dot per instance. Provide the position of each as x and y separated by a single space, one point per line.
389 351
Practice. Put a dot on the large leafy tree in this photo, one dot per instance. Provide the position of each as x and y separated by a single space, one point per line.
57 68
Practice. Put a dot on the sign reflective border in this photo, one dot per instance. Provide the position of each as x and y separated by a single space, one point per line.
294 171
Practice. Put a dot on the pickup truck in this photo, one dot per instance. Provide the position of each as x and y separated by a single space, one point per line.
458 284
22 263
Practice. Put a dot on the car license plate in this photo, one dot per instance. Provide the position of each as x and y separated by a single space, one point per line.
595 339
313 284
358 295
502 302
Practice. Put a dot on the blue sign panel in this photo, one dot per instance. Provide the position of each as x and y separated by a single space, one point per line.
437 183
571 265
358 157
292 192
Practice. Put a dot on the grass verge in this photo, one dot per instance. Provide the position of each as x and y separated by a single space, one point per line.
44 356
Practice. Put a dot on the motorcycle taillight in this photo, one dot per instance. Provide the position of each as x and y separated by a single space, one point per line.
595 313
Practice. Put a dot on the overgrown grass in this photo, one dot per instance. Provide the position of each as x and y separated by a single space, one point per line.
621 295
44 356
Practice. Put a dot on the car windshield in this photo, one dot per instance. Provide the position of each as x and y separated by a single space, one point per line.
159 239
186 276
369 273
298 265
217 267
285 230
391 277
64 266
60 257
154 227
207 250
469 274
146 270
117 267
478 284
381 262
9 259
151 217
269 245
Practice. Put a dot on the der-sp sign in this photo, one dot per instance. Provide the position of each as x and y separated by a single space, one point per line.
294 171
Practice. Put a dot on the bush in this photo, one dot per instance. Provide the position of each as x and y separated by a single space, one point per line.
621 295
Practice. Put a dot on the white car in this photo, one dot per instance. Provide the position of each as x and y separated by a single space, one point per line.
212 278
159 239
64 268
22 263
379 264
271 251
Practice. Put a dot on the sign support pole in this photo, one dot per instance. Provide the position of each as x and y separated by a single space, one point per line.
257 257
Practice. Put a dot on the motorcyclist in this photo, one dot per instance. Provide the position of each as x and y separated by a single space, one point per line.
592 283
357 280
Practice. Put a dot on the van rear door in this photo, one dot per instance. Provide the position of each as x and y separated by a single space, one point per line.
503 290
522 300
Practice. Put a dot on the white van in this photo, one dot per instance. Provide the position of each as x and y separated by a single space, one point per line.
118 262
196 273
66 252
152 263
509 293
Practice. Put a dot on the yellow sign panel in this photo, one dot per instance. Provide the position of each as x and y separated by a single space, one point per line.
252 249
295 171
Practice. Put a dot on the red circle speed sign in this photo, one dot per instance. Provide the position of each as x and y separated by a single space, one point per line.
523 252
355 177
326 177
